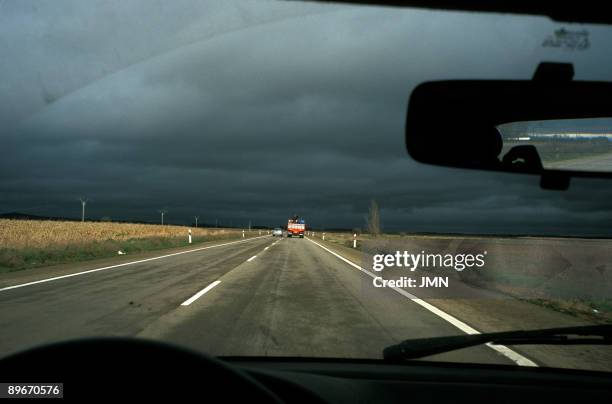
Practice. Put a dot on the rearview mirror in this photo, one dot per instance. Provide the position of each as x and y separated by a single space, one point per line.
556 128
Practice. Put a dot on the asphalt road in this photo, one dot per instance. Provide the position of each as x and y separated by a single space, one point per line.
271 296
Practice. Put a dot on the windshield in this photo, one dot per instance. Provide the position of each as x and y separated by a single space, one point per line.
151 152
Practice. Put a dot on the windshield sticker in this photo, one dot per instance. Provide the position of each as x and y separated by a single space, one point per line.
569 40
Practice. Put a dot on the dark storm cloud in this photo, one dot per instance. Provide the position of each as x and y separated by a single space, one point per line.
279 109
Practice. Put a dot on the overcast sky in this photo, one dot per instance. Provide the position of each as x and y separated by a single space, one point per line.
256 110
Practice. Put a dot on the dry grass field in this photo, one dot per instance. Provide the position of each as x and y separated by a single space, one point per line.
49 233
33 243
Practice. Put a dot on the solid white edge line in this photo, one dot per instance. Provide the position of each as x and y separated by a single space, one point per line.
502 349
125 264
252 258
200 293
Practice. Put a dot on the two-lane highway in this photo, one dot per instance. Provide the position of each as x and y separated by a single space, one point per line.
264 296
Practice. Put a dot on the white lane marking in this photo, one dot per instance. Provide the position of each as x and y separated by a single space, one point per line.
124 264
209 287
266 248
200 293
502 349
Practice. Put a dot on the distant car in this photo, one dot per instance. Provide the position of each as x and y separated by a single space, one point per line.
277 232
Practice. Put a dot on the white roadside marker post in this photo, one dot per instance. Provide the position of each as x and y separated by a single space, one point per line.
189 236
242 233
354 240
323 236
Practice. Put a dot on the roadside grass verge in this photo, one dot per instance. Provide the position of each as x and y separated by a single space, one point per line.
18 259
599 311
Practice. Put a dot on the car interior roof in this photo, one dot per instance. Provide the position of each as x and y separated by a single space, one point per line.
587 11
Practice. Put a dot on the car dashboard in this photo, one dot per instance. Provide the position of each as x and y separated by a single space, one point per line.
332 381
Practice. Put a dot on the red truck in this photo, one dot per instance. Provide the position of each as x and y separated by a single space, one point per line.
296 227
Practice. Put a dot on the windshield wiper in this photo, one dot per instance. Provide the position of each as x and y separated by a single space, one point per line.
583 335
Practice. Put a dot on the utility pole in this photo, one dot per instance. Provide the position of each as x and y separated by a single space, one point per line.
83 203
249 226
216 222
196 218
163 212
